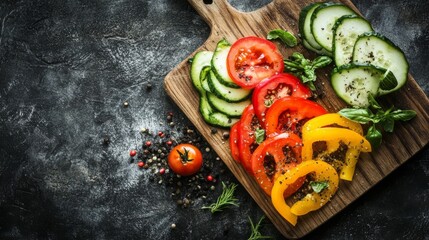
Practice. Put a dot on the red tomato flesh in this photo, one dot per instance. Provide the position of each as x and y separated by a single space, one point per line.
289 114
252 59
249 123
275 156
278 86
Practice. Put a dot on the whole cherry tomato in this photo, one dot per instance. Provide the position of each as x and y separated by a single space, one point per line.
185 159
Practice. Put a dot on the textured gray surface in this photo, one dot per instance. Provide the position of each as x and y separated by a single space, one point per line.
66 67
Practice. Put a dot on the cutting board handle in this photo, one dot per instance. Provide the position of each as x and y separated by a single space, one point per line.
221 10
210 11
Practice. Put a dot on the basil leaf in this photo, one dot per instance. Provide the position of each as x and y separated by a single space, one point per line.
373 103
374 136
321 61
360 115
286 37
259 135
387 124
319 185
403 115
268 102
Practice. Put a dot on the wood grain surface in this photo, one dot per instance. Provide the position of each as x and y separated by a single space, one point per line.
407 139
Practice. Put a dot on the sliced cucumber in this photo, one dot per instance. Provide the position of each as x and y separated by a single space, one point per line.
377 50
318 51
354 82
226 93
204 78
213 117
218 63
228 108
323 19
346 31
201 59
304 24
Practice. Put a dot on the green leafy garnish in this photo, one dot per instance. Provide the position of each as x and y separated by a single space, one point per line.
259 135
319 186
379 119
304 68
226 199
286 37
255 230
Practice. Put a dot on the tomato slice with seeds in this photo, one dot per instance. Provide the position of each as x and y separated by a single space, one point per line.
289 114
233 142
252 59
278 86
249 123
275 156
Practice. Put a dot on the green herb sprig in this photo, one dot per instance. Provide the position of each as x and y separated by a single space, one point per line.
319 186
226 199
286 37
304 68
259 135
379 119
255 230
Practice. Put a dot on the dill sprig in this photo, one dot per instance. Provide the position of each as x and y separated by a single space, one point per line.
255 230
225 200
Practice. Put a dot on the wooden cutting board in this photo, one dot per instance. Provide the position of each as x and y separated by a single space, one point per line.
407 140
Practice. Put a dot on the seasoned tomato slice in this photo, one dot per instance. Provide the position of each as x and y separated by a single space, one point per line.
275 156
276 87
233 142
249 123
289 114
252 59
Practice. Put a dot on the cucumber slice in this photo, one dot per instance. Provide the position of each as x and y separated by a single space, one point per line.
318 51
354 82
226 93
228 108
346 31
201 59
377 50
204 78
323 19
304 25
212 117
218 63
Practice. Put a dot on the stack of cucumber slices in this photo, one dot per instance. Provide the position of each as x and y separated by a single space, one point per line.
221 101
366 62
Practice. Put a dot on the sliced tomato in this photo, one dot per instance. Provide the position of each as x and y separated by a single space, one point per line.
275 156
289 114
249 123
276 87
233 141
252 59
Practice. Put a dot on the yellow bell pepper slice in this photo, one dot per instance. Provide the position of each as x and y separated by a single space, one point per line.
331 120
333 137
312 201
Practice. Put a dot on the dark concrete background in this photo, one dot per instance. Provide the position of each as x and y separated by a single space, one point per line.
67 67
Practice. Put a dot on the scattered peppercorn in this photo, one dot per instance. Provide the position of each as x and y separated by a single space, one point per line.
126 104
106 140
209 178
149 87
140 164
133 153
